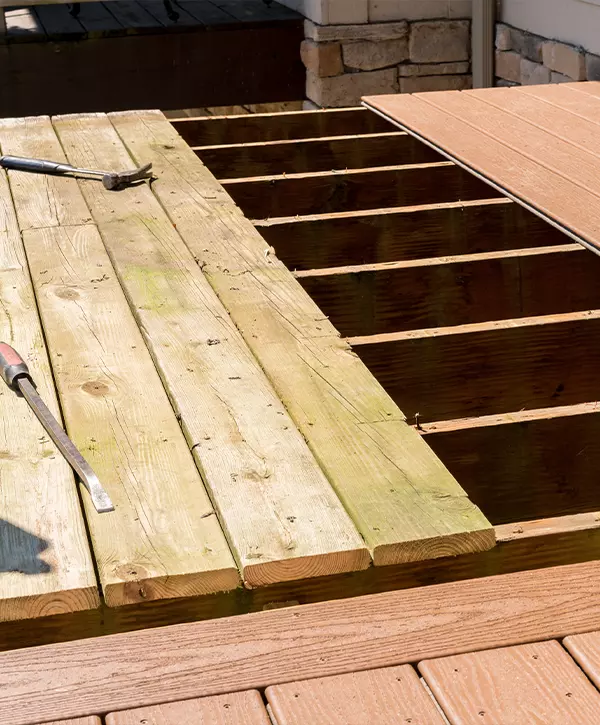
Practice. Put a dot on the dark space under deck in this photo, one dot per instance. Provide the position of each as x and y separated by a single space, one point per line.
129 54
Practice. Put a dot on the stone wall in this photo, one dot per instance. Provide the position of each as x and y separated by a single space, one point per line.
523 58
345 62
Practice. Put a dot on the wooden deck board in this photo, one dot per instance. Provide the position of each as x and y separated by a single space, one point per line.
533 683
241 708
550 165
298 643
389 484
392 695
162 540
45 562
281 515
585 649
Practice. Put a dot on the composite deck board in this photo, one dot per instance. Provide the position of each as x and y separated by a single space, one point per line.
510 365
546 159
265 127
45 562
440 292
530 684
585 649
240 708
404 233
320 154
325 192
161 541
131 15
281 515
391 695
390 485
297 643
92 720
59 23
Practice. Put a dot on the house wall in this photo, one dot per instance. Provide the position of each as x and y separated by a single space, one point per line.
576 22
354 48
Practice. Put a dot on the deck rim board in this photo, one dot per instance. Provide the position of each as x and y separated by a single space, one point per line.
46 561
147 564
270 648
435 116
281 516
305 343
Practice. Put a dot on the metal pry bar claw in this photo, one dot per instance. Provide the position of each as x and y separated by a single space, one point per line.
15 373
110 179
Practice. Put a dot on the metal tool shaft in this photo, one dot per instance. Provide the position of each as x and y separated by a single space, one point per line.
15 374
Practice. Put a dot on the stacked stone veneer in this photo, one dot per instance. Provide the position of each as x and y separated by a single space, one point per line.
523 58
345 62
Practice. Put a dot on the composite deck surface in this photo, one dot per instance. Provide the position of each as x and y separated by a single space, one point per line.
243 443
519 648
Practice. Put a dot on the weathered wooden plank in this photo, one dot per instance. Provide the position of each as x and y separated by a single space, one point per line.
239 708
162 540
585 649
45 562
390 485
387 235
297 643
487 368
394 694
282 517
320 154
325 192
440 292
553 462
510 152
262 127
527 684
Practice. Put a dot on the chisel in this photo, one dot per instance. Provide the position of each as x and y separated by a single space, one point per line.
15 373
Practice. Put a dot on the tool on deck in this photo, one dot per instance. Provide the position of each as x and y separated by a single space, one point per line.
15 373
110 179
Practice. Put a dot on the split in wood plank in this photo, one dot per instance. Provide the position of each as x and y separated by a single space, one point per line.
401 498
331 191
533 683
318 154
440 292
401 233
523 363
298 643
264 127
512 150
45 562
281 516
163 539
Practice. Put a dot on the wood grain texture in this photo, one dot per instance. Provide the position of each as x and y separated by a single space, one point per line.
162 540
553 462
45 562
388 235
534 683
400 497
510 365
262 127
92 720
500 137
322 154
298 643
585 649
276 506
446 291
240 708
336 191
389 695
